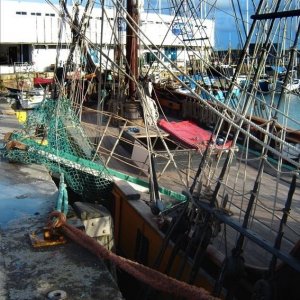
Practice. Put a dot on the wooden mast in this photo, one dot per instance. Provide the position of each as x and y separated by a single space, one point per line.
132 47
132 106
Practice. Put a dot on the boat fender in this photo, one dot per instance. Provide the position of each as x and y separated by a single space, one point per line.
220 141
154 209
62 199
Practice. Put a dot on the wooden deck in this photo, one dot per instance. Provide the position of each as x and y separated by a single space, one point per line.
238 183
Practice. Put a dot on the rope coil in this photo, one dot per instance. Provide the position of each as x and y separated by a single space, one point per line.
145 274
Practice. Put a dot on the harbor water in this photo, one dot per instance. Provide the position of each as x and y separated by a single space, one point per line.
288 113
289 109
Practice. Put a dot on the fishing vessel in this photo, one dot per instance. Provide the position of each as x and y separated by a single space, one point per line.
225 220
22 87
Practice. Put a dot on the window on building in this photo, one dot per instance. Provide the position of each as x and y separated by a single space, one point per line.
171 53
21 13
49 15
150 58
36 14
40 47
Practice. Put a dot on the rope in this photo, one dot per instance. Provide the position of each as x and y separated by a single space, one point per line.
145 274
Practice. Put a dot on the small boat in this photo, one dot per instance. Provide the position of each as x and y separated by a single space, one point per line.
27 99
292 86
219 94
264 84
31 99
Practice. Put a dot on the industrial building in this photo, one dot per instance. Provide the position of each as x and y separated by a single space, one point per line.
35 34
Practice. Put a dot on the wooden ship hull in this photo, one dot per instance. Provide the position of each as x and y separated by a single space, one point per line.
139 236
187 107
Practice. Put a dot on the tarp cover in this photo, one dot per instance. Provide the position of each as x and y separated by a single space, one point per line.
193 136
41 80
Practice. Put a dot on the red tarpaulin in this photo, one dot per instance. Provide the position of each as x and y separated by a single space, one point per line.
41 80
192 135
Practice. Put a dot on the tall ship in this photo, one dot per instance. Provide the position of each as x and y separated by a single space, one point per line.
198 166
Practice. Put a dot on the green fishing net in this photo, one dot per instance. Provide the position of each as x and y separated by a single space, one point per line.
54 137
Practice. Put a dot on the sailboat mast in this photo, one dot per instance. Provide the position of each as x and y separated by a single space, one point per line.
132 46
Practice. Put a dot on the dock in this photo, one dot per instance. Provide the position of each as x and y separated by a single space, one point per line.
67 271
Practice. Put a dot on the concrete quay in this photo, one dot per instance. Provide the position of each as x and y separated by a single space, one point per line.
28 194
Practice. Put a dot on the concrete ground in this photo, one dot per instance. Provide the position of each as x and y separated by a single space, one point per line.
27 196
